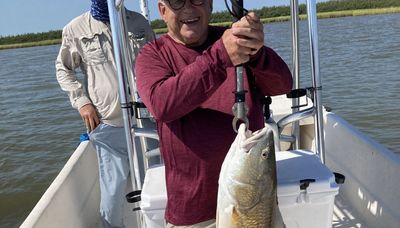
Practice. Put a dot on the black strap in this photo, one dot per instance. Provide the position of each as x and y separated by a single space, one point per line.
266 102
134 197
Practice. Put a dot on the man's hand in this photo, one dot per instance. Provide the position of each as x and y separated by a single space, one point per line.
245 38
89 117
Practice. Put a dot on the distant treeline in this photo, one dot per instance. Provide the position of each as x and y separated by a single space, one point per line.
224 16
31 37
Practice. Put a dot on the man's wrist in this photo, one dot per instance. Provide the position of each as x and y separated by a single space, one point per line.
82 101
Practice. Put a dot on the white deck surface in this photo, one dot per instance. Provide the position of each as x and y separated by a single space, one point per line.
343 215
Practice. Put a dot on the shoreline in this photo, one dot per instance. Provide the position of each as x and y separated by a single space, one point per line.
323 15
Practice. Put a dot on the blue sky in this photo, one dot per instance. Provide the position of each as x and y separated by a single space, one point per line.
31 16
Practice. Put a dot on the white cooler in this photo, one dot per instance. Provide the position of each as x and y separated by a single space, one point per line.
309 207
306 190
154 197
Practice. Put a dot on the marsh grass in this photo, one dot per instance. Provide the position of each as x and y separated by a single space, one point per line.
31 44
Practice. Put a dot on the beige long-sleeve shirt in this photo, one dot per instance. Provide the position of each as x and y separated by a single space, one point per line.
87 44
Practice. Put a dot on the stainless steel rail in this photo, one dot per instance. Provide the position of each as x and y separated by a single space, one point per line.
295 117
316 110
146 133
316 79
294 8
120 45
144 8
123 61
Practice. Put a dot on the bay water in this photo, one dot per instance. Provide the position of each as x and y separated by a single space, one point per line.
39 130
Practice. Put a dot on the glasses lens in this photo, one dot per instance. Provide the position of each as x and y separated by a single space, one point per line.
176 4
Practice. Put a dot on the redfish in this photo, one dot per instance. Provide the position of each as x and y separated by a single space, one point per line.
247 192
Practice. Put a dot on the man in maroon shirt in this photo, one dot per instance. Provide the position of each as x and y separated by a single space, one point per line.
186 79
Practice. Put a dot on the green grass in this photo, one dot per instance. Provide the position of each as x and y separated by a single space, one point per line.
359 12
31 44
345 13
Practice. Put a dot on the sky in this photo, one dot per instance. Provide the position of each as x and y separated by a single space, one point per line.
33 16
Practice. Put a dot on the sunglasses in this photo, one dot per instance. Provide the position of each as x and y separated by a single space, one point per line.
179 4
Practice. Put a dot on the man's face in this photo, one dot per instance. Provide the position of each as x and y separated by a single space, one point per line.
189 24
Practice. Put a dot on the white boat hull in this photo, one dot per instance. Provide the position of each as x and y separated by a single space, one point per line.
372 173
369 196
72 200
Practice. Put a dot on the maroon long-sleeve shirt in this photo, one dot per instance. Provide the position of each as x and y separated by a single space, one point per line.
189 91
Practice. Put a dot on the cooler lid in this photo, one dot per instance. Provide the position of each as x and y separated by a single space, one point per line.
300 170
154 192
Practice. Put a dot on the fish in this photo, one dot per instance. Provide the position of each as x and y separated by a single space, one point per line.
247 185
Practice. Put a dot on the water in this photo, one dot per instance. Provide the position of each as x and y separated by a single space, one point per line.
359 61
39 130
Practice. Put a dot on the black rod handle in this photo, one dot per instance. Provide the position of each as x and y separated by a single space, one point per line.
237 9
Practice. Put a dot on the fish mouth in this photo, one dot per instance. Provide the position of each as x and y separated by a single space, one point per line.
190 20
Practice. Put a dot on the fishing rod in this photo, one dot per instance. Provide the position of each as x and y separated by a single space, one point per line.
240 108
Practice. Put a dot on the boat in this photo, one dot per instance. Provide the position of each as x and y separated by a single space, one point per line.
359 189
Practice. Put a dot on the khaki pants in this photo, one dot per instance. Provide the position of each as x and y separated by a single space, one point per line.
206 224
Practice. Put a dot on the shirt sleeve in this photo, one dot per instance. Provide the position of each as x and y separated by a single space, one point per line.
67 61
271 74
169 96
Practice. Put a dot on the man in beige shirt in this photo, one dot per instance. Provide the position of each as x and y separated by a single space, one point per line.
87 44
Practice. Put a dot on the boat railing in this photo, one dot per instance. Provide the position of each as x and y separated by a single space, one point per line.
314 93
294 19
128 97
295 117
316 79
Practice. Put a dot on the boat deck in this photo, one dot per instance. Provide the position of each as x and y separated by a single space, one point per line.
344 216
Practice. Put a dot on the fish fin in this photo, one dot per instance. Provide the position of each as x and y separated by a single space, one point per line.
224 216
235 218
